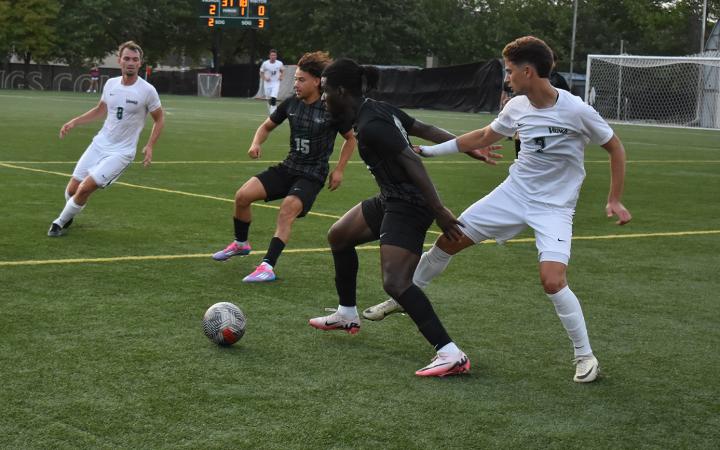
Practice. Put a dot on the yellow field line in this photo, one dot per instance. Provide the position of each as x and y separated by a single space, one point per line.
168 191
327 250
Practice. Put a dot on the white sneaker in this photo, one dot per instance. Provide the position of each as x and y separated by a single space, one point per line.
444 364
587 369
336 321
382 310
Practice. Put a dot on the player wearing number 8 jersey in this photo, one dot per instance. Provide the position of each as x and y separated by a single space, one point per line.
125 103
300 177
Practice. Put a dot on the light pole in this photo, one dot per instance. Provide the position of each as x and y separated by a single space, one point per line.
572 43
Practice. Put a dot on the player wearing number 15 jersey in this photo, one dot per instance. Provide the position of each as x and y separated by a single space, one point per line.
300 177
125 103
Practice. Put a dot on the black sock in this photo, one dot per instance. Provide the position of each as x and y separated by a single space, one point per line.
241 229
418 307
346 268
273 252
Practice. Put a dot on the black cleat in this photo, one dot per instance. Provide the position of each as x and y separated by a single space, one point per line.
55 230
67 225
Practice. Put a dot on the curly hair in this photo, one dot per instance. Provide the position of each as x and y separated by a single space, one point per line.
314 63
530 50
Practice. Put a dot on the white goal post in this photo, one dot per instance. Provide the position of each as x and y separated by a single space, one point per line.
656 90
209 84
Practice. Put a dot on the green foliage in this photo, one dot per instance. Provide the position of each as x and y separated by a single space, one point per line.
380 32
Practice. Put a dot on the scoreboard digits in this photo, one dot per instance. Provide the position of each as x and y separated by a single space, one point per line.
234 13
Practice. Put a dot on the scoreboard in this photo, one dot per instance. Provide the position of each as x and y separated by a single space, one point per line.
234 13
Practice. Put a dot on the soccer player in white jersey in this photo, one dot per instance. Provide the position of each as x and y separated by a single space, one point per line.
125 101
272 71
541 190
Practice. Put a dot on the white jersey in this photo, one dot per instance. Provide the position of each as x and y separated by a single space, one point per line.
272 69
549 168
128 107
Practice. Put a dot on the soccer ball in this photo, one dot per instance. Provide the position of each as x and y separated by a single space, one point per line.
224 323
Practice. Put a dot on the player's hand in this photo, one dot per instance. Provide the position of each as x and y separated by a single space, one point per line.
616 208
254 152
418 149
486 154
449 224
65 129
335 179
148 152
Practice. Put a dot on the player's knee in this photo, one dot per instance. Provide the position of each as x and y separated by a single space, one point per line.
552 284
242 198
289 212
394 286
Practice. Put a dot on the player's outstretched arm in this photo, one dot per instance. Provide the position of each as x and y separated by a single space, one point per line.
158 124
346 151
430 132
261 135
476 144
97 112
614 206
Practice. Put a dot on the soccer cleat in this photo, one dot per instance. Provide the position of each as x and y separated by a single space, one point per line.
587 369
55 230
444 364
336 321
382 310
68 223
263 272
232 250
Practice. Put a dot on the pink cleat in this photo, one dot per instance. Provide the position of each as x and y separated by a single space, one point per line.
232 250
444 364
335 321
263 272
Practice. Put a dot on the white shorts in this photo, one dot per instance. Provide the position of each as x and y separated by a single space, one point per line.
502 215
104 167
271 88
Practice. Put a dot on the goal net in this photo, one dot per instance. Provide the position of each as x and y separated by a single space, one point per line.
670 91
209 84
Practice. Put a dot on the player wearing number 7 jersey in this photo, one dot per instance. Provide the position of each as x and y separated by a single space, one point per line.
125 103
299 178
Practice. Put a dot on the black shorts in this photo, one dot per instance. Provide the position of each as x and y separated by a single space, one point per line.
279 182
396 222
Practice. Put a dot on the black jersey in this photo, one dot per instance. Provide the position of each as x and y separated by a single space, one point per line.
312 137
382 134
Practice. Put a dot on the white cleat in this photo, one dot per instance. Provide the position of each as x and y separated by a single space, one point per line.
587 369
382 310
336 321
444 364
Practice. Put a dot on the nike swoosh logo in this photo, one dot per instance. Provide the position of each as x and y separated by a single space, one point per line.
329 324
561 240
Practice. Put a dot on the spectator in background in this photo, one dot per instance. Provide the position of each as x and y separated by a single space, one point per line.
94 79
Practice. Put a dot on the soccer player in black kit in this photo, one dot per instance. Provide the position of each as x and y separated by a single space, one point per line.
399 216
300 177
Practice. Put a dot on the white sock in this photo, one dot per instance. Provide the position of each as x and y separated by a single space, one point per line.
240 243
67 196
449 348
347 311
432 263
570 313
70 210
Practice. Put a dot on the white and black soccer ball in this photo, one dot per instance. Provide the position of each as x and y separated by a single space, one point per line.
224 323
